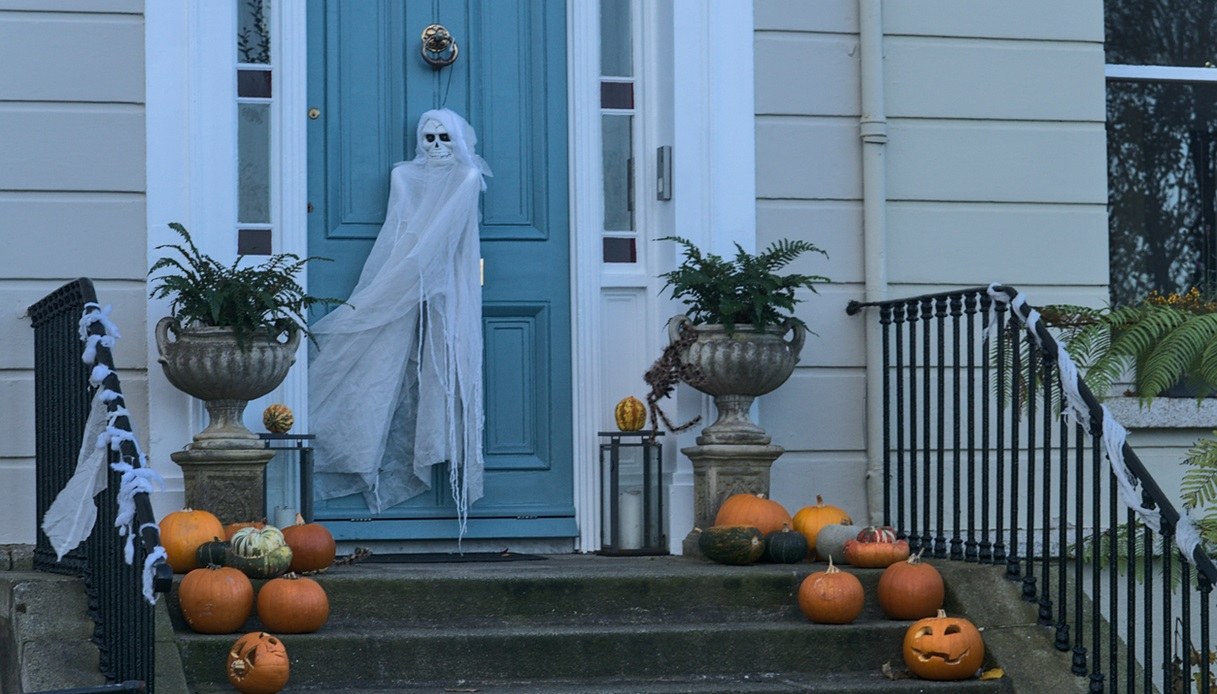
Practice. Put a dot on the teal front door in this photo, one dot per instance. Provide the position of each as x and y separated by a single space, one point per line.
367 86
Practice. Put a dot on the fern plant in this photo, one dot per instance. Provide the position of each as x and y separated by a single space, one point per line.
263 299
744 290
1163 340
1199 488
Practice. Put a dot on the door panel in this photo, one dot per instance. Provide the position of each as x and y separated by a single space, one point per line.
368 80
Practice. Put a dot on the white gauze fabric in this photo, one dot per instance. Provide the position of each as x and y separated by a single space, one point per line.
395 386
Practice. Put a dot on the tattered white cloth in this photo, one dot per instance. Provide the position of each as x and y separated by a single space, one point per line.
396 384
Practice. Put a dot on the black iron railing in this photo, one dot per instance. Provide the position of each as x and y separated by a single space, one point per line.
124 627
991 457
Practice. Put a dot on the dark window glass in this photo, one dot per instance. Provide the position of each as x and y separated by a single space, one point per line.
1161 155
1161 32
620 250
253 242
253 83
616 95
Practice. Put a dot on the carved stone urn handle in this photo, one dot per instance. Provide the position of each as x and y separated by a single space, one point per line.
675 325
162 335
796 339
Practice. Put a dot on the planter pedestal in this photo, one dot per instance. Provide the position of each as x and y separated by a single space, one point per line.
720 470
228 482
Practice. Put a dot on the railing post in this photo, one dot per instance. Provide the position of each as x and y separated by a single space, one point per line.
985 550
970 545
885 321
900 521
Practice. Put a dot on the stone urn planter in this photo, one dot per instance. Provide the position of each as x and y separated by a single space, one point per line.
209 364
223 467
735 369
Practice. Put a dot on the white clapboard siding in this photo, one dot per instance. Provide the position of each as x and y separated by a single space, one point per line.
72 186
995 136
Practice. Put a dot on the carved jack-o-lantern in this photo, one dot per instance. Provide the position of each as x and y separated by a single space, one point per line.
258 664
943 648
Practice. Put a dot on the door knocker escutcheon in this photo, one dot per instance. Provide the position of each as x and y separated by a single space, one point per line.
439 49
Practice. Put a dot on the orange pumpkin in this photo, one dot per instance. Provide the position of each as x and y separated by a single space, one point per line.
911 590
831 596
313 546
755 510
293 604
258 664
181 534
943 648
216 600
811 519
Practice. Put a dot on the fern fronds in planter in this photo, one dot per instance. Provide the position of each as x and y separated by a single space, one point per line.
746 289
262 298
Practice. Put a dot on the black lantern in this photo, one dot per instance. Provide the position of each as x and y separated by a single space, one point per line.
302 446
631 493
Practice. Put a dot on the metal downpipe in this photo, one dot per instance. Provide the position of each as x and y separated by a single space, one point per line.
873 128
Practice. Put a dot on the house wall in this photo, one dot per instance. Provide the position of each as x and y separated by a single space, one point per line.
72 184
995 171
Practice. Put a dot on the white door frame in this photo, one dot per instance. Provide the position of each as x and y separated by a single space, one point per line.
706 115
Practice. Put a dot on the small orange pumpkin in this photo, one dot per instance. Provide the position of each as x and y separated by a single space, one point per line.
630 414
943 648
811 519
216 600
313 546
278 418
831 596
293 604
911 589
755 510
258 664
181 534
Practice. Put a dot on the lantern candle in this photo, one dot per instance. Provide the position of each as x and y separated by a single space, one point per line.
630 519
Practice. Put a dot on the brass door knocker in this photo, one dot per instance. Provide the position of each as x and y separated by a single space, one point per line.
439 49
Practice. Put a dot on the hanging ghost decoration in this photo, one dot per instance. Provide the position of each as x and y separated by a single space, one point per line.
395 385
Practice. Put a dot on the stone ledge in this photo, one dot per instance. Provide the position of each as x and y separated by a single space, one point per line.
1164 413
16 557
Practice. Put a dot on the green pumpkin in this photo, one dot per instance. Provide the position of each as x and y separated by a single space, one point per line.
274 563
255 542
731 544
785 546
830 541
213 553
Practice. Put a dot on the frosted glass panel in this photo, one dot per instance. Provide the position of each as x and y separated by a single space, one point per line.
253 154
616 46
618 173
253 31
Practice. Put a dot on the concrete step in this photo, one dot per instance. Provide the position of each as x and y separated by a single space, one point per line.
613 623
758 683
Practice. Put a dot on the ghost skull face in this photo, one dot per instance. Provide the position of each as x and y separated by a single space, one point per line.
437 143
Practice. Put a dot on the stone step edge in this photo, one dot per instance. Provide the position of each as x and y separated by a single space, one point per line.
548 630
